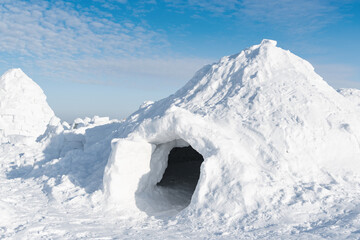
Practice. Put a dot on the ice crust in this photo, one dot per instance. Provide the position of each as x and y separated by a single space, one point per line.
280 146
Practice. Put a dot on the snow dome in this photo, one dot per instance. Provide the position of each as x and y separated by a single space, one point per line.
248 132
23 107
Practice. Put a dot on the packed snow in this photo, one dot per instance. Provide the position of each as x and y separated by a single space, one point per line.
352 94
23 108
255 146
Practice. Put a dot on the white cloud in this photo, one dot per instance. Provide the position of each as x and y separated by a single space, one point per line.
296 16
215 6
301 16
64 44
47 30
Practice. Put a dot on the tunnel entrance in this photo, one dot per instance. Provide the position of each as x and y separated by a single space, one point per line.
183 171
172 180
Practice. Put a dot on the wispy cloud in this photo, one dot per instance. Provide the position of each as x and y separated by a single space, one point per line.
301 16
42 29
64 43
214 6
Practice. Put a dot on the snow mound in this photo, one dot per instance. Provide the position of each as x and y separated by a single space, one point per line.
23 107
275 138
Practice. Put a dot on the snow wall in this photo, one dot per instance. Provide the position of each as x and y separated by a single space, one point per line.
272 133
23 107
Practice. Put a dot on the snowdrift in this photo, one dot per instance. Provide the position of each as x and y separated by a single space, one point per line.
24 111
275 137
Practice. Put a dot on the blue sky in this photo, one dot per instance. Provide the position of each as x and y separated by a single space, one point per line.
105 58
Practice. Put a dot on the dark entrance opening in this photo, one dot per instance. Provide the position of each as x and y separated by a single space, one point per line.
183 170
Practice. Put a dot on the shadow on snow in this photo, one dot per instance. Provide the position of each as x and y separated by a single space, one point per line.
81 157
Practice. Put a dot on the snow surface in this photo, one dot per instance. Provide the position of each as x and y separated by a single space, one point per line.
352 94
23 108
281 160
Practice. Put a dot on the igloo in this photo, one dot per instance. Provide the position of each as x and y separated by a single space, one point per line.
23 107
265 125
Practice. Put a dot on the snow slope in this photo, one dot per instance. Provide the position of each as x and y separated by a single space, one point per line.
281 161
23 107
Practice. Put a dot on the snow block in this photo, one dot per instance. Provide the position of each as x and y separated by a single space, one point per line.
128 162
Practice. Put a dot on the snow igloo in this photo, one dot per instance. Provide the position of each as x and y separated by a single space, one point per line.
261 123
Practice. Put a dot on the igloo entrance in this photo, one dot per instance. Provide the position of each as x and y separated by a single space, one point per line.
183 169
172 180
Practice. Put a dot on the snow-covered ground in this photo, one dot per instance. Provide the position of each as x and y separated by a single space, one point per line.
279 151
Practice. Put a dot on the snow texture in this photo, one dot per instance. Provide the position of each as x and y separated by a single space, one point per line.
352 94
281 160
23 107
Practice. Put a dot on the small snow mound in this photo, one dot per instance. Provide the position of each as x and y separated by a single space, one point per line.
88 122
23 107
146 104
268 42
